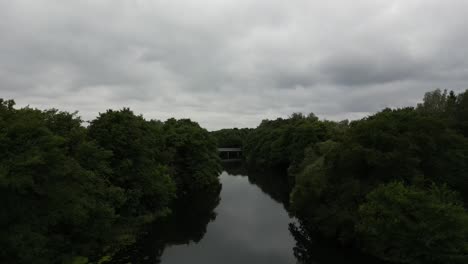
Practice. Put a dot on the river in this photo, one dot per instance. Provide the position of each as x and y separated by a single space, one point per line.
245 222
250 227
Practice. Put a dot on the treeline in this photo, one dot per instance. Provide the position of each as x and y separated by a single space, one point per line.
231 137
76 194
394 184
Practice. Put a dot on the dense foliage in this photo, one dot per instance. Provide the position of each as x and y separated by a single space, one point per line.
192 156
231 138
53 187
186 224
71 193
394 184
339 169
418 226
137 161
280 143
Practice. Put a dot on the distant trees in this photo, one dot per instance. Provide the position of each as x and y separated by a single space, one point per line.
69 192
436 102
231 138
452 108
280 143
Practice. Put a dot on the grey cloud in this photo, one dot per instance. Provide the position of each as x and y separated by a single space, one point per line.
233 62
374 67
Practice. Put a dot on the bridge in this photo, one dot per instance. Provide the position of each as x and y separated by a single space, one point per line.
230 154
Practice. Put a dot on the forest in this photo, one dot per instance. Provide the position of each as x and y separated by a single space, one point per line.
393 184
78 194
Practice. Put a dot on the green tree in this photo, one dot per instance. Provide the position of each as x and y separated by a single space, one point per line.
192 155
137 162
280 143
56 204
461 113
408 225
434 102
404 145
231 138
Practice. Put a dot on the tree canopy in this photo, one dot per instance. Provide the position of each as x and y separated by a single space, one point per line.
72 193
231 138
393 184
338 170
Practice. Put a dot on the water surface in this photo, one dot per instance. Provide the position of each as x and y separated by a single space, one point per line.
245 222
250 227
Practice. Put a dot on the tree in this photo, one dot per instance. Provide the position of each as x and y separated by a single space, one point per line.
406 224
461 113
137 161
407 145
71 194
231 138
434 102
56 204
192 155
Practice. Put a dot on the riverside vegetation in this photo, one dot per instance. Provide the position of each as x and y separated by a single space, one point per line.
393 185
75 194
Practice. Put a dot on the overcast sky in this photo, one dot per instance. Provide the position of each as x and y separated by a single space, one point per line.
228 63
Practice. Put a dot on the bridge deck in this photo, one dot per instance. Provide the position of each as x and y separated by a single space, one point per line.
229 149
230 154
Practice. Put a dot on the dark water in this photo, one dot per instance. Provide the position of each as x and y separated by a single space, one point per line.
250 227
244 222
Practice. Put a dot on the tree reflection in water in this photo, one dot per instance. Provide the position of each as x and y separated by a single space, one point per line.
312 249
273 183
189 221
187 224
309 248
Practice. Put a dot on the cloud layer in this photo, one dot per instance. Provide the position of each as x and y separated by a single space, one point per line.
227 63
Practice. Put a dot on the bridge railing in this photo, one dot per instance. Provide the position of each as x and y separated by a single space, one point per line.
229 149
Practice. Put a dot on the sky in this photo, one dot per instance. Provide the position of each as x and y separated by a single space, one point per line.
231 63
